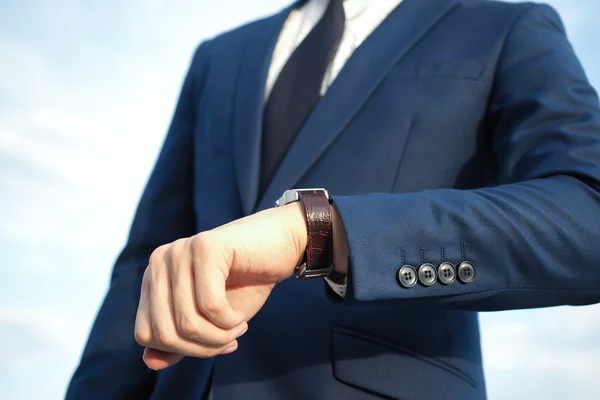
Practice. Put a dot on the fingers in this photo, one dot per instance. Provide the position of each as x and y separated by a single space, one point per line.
157 359
166 336
169 321
143 323
211 268
190 322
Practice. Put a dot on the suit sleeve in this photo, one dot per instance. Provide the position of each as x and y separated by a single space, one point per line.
111 366
534 238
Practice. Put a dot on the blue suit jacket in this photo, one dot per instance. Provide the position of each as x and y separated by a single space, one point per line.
459 130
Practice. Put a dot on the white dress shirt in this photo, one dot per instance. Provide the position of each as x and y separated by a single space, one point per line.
362 17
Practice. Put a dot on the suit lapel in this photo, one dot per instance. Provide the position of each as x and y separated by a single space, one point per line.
249 102
361 75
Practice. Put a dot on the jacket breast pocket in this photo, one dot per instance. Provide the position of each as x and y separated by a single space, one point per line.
386 369
464 69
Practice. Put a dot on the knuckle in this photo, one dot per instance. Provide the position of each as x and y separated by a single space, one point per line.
142 336
157 255
175 248
209 305
187 326
165 339
180 243
200 242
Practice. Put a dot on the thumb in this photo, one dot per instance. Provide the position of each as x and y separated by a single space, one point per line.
157 359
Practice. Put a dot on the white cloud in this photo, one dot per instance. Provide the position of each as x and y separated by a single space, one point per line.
36 341
19 60
52 327
547 343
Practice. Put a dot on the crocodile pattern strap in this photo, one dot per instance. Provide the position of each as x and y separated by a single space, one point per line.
319 248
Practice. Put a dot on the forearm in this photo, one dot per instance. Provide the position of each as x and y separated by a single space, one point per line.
533 237
533 244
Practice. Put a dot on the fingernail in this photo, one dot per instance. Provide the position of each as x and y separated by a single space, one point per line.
229 349
242 331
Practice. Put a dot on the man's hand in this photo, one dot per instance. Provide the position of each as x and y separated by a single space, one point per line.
199 293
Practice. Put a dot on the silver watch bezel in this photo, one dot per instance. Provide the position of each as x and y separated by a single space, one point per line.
291 195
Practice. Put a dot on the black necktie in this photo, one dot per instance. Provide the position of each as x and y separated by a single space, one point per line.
298 89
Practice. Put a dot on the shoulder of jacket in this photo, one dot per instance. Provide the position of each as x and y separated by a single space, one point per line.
505 7
238 35
508 12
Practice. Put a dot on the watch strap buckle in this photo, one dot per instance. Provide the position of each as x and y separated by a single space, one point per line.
302 272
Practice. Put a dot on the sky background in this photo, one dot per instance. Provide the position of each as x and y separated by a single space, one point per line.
87 89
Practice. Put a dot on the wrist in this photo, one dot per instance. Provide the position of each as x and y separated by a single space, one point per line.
296 216
317 236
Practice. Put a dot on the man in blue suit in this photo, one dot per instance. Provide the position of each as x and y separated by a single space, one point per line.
459 143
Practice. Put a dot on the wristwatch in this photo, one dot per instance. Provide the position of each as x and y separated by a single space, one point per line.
318 257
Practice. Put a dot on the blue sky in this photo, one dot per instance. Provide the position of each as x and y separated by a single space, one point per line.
86 93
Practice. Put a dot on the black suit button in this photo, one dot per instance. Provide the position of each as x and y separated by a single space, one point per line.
466 272
446 273
407 276
427 274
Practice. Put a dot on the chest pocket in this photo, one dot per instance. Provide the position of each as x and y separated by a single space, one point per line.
465 69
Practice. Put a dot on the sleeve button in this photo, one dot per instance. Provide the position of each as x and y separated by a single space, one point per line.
427 274
466 272
446 273
407 276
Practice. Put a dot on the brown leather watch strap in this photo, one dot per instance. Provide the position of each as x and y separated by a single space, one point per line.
319 249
